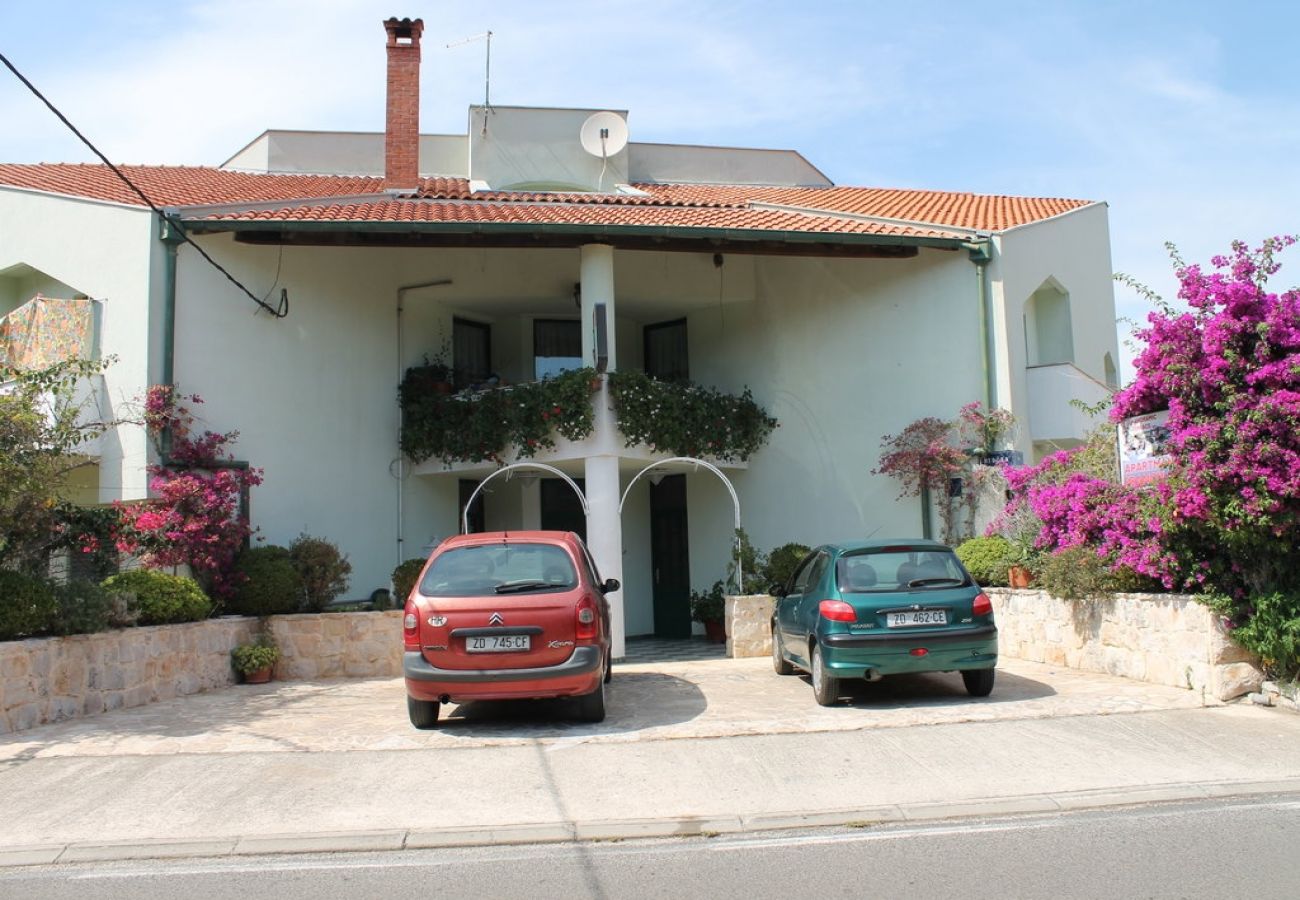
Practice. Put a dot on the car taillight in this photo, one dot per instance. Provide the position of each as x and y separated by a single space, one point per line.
586 616
411 628
837 611
982 605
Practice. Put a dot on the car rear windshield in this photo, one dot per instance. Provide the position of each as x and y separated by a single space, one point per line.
899 569
499 569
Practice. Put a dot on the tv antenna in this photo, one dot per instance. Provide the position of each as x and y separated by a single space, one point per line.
487 70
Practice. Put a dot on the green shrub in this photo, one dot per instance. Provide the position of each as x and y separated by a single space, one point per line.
249 658
270 585
1272 631
28 606
404 579
1075 573
708 606
782 562
988 559
87 608
322 568
161 598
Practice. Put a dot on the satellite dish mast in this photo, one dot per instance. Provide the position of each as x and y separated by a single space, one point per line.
487 72
604 134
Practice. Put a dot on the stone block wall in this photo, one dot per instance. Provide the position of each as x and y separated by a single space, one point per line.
749 625
53 679
1165 639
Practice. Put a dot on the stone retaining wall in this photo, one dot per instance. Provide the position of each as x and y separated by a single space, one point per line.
749 625
53 679
1159 638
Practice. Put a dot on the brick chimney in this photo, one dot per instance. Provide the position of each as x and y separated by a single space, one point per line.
402 125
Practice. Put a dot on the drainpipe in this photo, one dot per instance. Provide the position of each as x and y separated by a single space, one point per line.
981 254
171 236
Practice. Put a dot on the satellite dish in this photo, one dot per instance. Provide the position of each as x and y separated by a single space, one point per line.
603 134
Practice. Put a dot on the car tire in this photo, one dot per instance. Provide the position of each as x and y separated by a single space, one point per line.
979 682
826 687
423 713
779 662
591 707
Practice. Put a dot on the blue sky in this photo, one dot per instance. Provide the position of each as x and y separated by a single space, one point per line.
1182 116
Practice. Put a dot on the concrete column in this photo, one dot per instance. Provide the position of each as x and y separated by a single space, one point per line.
604 525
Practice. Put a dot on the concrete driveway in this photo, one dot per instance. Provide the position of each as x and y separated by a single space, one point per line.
647 702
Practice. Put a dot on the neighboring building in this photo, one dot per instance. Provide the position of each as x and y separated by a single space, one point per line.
849 313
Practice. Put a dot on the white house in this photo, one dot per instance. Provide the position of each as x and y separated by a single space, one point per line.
848 312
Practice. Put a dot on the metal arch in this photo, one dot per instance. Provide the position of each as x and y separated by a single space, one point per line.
735 500
464 513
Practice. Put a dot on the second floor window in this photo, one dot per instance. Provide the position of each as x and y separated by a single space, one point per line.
557 347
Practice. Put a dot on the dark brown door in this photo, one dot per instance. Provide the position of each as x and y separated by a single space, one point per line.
561 508
670 558
477 517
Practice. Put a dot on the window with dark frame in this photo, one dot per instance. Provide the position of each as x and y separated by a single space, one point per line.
471 352
665 351
557 346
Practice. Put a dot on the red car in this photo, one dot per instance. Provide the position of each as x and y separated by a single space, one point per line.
507 615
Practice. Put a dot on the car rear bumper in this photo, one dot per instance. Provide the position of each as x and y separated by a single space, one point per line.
579 674
850 655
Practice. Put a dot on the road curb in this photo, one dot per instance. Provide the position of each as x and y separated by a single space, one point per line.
630 829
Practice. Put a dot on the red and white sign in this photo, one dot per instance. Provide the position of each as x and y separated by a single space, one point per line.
1143 458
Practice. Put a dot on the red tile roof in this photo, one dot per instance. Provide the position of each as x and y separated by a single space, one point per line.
307 198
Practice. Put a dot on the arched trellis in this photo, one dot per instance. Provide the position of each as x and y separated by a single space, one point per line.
464 513
735 500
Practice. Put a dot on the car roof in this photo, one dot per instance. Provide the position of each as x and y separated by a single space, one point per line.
911 543
479 538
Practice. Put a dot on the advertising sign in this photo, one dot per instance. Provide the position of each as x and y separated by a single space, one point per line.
1142 455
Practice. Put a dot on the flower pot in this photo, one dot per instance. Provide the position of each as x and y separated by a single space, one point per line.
1018 577
716 632
259 676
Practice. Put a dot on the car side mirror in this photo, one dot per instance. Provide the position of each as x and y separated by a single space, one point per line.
610 586
777 590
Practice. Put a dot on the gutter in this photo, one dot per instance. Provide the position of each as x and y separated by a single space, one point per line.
981 254
588 233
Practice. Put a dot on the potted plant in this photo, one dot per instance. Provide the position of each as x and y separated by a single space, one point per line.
255 662
435 374
707 609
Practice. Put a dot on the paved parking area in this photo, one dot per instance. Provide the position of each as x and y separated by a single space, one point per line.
647 702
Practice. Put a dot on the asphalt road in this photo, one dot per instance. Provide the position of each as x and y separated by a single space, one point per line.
1221 849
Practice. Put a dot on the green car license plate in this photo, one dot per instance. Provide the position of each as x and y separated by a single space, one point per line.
913 617
498 643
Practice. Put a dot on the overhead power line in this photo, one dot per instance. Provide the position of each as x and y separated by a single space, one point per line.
279 311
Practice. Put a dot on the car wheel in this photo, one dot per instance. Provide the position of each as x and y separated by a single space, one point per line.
779 662
826 687
591 707
423 713
979 682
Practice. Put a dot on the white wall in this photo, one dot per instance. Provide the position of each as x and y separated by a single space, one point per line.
1074 250
107 252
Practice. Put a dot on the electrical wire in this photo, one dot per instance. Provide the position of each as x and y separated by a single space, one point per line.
279 311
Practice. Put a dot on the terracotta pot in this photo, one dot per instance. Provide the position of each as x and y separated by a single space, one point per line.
258 676
715 632
1018 576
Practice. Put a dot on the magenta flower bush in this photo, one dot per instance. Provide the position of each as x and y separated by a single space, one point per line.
195 517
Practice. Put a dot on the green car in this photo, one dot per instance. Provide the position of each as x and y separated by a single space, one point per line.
886 607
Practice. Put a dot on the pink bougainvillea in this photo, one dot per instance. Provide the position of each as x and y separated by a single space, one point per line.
195 517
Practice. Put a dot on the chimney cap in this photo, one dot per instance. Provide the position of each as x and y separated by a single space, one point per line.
404 28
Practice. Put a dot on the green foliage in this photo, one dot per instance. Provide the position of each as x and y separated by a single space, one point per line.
476 426
708 606
87 608
1079 573
322 568
1271 629
28 606
161 598
782 562
404 579
270 586
686 419
988 559
41 433
751 569
249 658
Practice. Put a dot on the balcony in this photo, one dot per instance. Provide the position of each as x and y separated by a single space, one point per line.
575 415
1052 416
